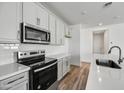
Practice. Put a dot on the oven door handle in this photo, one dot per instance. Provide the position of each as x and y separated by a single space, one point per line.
40 69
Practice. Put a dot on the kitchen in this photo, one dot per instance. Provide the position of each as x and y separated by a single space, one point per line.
45 46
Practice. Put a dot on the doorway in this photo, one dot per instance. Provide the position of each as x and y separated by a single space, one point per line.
100 42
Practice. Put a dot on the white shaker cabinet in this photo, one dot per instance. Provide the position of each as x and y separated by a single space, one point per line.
29 13
34 14
16 82
66 65
9 18
63 66
42 18
52 28
60 69
68 59
59 32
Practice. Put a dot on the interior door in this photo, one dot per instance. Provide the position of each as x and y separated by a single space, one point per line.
98 43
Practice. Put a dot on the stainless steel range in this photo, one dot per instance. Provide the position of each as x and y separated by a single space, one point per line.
43 73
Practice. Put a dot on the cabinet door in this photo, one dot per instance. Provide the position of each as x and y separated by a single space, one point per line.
62 30
67 63
52 28
29 12
42 16
59 32
64 66
60 69
8 21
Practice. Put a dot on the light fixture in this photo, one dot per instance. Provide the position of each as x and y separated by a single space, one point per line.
107 4
100 79
100 24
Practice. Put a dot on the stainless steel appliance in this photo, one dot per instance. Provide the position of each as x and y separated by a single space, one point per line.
43 73
33 34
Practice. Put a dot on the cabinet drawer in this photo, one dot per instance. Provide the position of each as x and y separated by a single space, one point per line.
11 81
20 86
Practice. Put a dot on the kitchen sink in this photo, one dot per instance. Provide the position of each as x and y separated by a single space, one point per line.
107 63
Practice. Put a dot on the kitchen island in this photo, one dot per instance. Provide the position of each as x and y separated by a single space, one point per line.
105 78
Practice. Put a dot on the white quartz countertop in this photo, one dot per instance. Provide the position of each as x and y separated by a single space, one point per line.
58 56
105 78
9 70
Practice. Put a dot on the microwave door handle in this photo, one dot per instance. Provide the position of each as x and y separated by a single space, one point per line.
48 36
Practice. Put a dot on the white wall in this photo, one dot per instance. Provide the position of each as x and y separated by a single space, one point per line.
75 45
115 37
85 45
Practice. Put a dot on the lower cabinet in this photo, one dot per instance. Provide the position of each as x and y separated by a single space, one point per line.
60 69
63 67
16 82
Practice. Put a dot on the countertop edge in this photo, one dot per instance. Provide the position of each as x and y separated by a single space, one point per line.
14 73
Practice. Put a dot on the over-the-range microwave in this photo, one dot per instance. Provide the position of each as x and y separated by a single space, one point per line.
32 34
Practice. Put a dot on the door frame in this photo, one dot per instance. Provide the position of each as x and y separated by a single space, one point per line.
106 31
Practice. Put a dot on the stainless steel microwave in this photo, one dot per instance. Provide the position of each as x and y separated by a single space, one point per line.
32 34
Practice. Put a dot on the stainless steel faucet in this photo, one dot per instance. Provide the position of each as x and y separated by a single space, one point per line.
120 59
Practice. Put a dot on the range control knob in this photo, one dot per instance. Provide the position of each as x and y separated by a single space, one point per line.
21 54
25 53
38 87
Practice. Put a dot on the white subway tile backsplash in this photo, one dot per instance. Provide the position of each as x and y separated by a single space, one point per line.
7 56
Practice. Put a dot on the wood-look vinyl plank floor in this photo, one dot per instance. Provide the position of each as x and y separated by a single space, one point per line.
76 79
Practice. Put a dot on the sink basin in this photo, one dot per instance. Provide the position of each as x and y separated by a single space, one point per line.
107 63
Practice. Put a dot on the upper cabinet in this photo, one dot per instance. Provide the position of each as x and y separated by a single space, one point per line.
42 17
39 16
9 22
35 15
29 13
12 14
59 32
52 28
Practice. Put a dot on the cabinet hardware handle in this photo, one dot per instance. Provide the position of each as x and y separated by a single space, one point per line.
15 80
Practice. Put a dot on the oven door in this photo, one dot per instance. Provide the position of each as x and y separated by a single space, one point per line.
32 34
45 77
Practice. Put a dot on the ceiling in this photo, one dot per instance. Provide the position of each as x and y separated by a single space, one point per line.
88 13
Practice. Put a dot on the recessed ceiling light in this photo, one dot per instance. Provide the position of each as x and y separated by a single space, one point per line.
100 24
